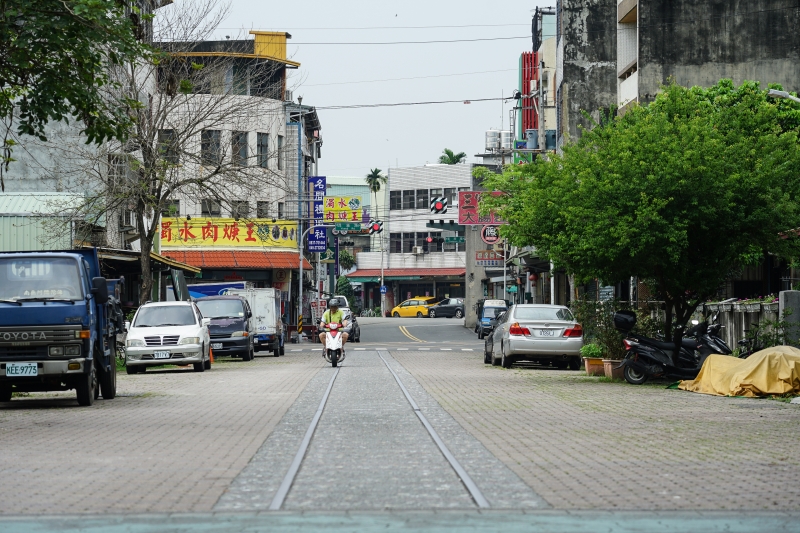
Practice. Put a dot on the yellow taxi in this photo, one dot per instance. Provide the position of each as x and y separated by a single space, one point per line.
418 307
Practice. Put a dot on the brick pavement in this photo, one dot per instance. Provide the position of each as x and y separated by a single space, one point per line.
172 441
585 444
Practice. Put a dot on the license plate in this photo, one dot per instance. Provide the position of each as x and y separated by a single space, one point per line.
160 355
216 345
22 369
546 333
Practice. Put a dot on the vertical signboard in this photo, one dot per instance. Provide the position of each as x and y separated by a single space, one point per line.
317 241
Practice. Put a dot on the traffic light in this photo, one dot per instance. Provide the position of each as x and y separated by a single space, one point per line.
376 226
429 239
438 206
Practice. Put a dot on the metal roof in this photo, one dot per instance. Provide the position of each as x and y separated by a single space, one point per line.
39 203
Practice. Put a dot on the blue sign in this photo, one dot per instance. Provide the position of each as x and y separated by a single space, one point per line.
317 240
317 185
384 289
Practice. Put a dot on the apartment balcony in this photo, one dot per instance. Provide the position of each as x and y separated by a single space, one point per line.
628 90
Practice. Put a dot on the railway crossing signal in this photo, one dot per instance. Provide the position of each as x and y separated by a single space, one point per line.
438 206
376 226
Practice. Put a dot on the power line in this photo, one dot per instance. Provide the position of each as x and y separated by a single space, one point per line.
414 78
420 42
397 27
464 101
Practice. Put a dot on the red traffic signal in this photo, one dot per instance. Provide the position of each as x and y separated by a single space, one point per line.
376 226
438 205
429 239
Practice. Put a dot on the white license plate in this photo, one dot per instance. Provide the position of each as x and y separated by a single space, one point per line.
160 355
546 333
22 369
216 345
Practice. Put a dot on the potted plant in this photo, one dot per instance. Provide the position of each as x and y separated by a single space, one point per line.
593 359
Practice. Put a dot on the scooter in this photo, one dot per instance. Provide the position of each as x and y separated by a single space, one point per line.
334 353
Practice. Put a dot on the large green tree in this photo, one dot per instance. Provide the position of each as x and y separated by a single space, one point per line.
680 193
56 62
449 157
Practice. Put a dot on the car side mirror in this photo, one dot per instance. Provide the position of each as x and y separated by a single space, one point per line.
100 288
205 321
127 325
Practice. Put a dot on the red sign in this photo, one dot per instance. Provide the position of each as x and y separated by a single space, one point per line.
468 204
490 234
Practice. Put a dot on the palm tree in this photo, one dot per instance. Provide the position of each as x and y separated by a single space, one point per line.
448 157
374 179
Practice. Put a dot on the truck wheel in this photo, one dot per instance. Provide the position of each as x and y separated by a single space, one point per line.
86 387
5 393
283 351
108 381
276 352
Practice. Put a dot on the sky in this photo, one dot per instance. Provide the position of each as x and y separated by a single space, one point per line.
356 140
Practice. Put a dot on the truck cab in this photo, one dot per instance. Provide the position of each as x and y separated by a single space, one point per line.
58 325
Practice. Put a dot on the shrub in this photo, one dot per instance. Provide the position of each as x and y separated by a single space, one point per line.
591 350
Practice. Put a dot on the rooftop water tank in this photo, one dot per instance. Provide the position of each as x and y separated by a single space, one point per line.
492 140
506 140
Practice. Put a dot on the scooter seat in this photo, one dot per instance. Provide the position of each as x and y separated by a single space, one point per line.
656 344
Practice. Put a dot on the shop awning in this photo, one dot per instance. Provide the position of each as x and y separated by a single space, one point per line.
131 256
373 275
245 259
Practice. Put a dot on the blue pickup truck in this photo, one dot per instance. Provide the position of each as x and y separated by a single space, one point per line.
59 319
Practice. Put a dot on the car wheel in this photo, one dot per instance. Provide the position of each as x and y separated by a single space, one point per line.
481 336
282 350
419 314
496 360
396 314
459 314
207 364
5 393
574 363
487 353
507 361
560 364
634 377
130 370
432 313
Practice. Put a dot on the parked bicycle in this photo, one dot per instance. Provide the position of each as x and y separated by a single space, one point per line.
750 345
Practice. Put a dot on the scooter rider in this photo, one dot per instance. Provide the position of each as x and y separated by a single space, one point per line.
335 316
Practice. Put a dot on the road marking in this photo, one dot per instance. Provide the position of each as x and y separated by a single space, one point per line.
316 349
424 349
402 349
405 332
446 349
359 349
467 349
297 350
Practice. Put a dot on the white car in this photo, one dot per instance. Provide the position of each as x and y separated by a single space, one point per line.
168 333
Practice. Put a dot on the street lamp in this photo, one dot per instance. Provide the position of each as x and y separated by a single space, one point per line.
300 281
774 93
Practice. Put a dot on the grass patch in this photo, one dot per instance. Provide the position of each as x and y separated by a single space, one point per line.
785 398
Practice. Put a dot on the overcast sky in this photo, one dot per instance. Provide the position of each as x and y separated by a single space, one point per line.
356 140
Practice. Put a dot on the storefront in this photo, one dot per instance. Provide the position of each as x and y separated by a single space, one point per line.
405 283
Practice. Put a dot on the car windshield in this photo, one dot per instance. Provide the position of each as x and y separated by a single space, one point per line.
221 308
40 278
164 315
543 313
492 312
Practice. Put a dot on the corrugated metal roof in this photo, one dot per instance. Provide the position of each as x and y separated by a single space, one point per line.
40 203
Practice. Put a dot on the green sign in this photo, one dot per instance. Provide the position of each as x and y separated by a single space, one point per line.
347 226
512 288
328 256
454 239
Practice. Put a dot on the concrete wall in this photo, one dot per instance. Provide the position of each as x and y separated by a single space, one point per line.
588 63
698 43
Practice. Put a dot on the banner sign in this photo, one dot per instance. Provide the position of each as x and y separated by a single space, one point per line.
342 209
468 204
317 185
317 240
228 233
488 258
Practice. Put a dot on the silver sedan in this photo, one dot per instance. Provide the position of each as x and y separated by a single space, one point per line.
546 334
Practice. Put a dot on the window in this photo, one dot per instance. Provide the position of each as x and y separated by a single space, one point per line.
395 200
211 147
239 148
409 242
117 168
210 207
408 199
171 209
395 243
422 199
262 209
167 146
280 152
262 149
452 197
240 209
435 193
280 210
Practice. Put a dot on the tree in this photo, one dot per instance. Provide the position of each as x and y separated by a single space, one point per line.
345 288
346 259
449 157
680 193
374 180
55 62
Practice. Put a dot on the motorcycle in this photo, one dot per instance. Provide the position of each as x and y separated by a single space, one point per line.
333 353
646 357
708 337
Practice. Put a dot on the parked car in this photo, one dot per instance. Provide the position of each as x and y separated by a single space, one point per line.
355 329
488 311
546 334
232 326
173 333
449 307
418 307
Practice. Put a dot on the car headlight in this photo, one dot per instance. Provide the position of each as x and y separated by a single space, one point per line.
190 340
239 334
130 343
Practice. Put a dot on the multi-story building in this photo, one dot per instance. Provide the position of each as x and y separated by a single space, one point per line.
699 43
419 253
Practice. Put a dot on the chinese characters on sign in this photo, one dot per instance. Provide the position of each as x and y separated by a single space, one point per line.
468 214
228 233
317 240
317 186
342 209
488 258
490 234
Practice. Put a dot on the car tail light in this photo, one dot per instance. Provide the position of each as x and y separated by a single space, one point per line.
516 329
575 331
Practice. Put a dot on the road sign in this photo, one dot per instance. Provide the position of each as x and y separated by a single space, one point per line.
384 289
346 226
454 239
328 256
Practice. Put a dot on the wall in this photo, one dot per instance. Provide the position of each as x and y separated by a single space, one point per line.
698 43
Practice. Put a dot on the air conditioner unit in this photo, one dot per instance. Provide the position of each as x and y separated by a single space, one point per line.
417 250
